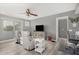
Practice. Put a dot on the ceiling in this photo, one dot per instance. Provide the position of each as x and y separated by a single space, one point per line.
42 9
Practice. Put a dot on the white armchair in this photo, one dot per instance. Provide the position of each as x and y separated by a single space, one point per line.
65 43
28 42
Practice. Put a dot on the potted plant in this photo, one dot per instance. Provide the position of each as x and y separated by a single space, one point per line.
74 21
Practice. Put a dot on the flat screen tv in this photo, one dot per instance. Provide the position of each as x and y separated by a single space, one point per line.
39 27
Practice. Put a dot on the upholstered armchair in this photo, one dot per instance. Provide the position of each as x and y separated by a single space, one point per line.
28 42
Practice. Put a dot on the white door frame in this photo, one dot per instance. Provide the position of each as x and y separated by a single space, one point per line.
57 19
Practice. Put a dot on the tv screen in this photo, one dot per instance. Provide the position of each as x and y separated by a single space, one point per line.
39 27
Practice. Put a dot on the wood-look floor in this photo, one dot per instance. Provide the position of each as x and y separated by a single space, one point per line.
9 47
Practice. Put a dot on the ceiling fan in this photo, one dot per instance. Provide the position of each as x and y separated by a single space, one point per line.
28 12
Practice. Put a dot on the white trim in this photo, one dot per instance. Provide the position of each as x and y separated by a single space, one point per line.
60 18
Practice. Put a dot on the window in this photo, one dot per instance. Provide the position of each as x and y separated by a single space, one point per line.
7 25
27 24
17 26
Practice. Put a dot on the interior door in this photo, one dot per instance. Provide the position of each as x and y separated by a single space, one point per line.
62 27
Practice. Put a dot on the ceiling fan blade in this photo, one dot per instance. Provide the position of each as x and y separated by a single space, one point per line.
33 14
27 12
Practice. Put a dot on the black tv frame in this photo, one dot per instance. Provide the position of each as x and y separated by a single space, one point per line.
39 28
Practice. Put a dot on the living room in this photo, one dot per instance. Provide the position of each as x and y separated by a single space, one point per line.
34 28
